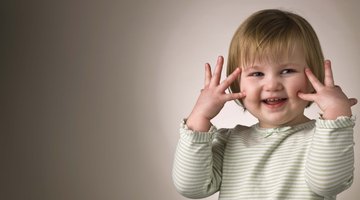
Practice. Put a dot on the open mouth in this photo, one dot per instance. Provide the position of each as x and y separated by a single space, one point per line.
274 101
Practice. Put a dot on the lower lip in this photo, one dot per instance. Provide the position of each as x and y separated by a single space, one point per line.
275 105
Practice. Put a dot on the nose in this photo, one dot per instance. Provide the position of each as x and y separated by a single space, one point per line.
273 84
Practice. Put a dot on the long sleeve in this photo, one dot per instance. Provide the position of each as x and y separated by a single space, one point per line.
198 162
330 163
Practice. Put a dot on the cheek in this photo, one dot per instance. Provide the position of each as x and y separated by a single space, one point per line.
246 84
299 85
251 89
243 83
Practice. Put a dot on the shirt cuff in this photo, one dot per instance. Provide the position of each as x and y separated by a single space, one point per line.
196 136
340 122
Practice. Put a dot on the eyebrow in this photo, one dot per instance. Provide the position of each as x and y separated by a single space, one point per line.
257 67
251 68
291 64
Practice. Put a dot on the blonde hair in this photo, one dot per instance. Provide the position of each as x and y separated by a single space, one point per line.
270 35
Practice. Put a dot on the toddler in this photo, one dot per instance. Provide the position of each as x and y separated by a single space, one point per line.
275 70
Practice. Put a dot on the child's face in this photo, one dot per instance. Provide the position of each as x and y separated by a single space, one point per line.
271 90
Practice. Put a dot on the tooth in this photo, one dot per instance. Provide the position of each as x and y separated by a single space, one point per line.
272 100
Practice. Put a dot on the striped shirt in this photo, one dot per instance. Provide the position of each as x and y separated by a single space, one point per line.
313 160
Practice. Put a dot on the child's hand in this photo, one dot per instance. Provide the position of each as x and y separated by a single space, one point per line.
329 97
212 97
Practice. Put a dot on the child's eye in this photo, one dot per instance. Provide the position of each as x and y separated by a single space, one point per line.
287 71
256 74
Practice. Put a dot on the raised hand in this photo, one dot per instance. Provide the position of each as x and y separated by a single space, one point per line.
329 97
212 97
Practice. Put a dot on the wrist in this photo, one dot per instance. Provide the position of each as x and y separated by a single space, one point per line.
197 123
334 114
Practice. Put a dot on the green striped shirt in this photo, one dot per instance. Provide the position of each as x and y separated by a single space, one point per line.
314 160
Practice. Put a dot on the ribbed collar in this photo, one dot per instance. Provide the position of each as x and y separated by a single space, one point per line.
267 132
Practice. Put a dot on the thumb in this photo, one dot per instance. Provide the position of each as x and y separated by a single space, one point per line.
306 97
234 96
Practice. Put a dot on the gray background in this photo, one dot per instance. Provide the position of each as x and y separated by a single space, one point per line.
92 92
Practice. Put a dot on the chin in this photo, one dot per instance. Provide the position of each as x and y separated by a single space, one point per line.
276 121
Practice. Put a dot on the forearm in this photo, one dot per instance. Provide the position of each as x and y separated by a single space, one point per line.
330 161
195 174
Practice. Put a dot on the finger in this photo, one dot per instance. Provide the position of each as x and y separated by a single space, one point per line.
353 101
207 74
317 85
217 73
231 78
307 97
234 96
329 78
